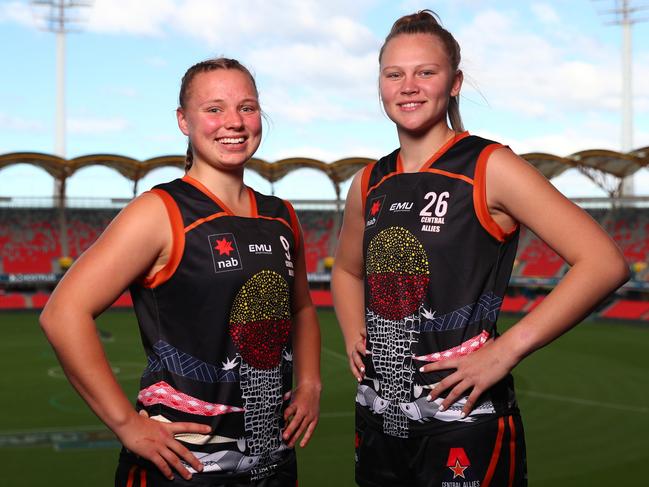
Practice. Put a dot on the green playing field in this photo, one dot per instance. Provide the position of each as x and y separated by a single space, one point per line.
585 404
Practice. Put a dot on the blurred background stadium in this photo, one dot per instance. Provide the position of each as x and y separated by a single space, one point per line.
539 77
584 398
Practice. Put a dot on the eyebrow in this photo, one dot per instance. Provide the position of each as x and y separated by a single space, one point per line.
437 65
220 100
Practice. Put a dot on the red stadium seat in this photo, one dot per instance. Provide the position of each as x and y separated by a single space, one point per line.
626 309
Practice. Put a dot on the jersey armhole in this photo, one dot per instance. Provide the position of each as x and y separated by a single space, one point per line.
480 196
295 227
365 183
177 241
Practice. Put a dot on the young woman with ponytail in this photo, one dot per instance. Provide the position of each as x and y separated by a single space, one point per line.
424 258
218 280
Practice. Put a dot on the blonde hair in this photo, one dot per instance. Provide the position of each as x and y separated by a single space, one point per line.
427 22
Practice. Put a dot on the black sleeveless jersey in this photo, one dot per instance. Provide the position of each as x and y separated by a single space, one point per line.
436 270
215 323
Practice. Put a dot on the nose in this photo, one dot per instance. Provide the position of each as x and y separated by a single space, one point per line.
233 120
409 86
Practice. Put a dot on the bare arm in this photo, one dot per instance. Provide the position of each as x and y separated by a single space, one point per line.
347 279
304 410
135 242
518 192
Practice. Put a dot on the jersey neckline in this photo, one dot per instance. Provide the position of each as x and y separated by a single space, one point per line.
203 189
439 153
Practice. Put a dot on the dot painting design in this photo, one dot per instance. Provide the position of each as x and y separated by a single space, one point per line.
260 319
397 273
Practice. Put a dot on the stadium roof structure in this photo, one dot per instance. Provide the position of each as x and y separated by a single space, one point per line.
605 168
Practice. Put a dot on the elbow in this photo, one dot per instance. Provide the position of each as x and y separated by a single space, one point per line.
617 271
46 321
623 271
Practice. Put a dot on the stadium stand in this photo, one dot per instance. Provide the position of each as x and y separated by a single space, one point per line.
30 244
12 301
627 309
317 227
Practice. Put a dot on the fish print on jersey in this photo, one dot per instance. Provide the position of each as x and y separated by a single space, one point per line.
397 287
260 326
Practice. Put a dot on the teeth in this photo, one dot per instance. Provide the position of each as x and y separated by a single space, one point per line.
410 105
231 140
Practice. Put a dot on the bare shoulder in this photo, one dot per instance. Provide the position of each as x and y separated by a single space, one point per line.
513 183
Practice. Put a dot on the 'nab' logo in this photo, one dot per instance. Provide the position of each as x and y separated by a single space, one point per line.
458 462
225 253
375 206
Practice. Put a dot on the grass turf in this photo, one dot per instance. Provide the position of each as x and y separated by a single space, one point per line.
584 399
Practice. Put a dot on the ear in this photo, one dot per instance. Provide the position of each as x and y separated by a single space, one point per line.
182 121
457 83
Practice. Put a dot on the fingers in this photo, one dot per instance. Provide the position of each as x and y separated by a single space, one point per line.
309 432
162 465
172 459
181 452
293 430
300 425
356 364
186 427
470 403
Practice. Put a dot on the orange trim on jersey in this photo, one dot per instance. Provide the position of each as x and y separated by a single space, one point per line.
295 226
480 196
495 455
199 186
431 160
177 241
443 149
276 218
200 221
365 182
464 178
387 176
512 451
253 203
131 475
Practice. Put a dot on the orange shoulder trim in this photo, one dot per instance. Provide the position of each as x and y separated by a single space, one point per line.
295 226
480 196
365 182
177 241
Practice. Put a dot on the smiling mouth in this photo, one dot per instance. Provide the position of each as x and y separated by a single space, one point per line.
411 105
231 140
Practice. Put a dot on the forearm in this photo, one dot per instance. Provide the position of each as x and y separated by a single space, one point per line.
585 285
349 297
306 348
77 346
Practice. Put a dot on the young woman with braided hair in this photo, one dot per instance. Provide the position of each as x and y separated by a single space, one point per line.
424 258
218 280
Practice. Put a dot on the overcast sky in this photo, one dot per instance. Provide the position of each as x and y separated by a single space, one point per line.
539 76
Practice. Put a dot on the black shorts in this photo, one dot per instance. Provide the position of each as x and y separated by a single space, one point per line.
486 454
130 474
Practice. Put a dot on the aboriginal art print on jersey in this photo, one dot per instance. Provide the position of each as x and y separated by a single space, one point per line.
260 326
397 274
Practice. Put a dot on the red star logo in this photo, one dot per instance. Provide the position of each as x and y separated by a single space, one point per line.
458 469
376 206
224 247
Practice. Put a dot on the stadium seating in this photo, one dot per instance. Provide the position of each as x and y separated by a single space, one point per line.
12 301
535 258
317 227
30 244
627 309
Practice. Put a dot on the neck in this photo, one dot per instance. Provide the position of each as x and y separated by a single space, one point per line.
417 149
227 185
